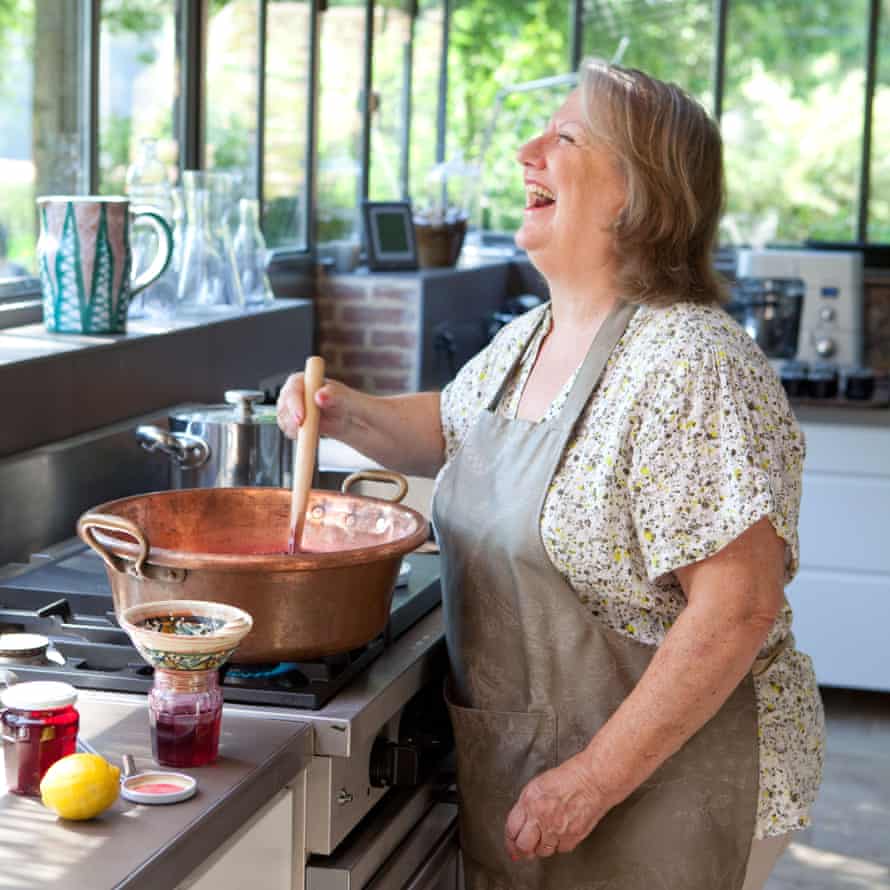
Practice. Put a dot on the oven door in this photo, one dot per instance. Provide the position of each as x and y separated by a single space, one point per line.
408 842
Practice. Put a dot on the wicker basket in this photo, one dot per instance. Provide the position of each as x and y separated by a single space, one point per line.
439 245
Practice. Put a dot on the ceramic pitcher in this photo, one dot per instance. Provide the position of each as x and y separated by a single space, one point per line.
85 260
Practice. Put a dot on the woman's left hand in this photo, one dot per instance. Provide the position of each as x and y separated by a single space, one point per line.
555 812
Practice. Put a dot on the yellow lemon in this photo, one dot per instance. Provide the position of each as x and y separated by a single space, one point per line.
80 786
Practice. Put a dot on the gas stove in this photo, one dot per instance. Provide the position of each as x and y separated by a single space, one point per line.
368 808
63 594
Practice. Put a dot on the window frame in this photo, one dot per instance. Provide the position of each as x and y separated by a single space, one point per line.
192 18
20 297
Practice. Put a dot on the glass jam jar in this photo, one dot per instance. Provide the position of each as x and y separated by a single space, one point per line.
39 726
185 708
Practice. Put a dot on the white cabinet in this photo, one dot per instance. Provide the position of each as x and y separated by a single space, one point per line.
841 596
260 854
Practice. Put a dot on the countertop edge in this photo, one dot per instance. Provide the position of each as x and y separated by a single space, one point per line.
173 863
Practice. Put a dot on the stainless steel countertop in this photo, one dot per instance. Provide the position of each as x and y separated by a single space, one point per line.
841 415
149 847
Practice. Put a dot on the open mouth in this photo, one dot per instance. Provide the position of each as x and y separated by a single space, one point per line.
536 196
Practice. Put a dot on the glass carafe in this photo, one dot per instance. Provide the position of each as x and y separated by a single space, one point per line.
208 279
250 255
161 297
148 188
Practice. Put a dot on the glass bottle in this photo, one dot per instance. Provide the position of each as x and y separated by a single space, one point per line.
208 279
250 255
160 297
39 726
185 709
147 187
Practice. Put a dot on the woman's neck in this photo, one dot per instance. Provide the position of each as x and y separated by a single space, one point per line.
579 311
581 298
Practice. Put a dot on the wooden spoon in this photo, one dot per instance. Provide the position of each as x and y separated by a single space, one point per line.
307 445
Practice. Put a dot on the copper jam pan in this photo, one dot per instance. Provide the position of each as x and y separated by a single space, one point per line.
229 545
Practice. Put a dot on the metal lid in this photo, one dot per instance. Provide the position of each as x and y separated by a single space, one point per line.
22 645
41 695
242 407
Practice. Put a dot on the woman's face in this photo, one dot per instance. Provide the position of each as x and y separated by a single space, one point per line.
574 191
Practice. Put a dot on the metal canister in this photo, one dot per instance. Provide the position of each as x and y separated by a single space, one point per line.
224 446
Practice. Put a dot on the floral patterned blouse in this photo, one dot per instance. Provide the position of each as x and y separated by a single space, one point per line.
688 441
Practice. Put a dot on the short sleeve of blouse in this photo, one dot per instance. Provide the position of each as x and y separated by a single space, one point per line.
715 449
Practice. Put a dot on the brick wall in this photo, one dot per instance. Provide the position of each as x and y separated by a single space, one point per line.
368 329
877 324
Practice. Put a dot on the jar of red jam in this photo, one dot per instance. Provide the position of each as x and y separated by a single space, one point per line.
39 726
185 709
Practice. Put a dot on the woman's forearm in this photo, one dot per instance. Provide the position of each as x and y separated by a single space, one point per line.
704 656
403 433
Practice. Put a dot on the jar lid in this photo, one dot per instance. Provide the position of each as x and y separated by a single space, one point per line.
41 695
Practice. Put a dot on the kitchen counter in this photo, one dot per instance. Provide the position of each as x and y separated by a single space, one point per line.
69 384
840 413
148 847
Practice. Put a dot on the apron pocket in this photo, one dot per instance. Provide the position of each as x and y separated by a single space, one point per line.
498 753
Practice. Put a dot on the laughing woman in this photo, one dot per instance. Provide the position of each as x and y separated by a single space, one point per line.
617 502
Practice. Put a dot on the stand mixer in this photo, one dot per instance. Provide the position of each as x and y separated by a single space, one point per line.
830 310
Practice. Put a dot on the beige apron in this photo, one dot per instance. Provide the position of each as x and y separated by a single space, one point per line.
534 676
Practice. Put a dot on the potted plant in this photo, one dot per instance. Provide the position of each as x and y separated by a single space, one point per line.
440 224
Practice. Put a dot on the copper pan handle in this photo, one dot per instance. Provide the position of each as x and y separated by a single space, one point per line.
105 521
396 479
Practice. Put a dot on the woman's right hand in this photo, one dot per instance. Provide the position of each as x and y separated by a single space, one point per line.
335 401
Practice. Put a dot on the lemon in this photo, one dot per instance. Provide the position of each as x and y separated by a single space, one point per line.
80 786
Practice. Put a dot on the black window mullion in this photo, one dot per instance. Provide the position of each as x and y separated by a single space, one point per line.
260 142
367 90
442 111
311 161
576 48
721 14
407 95
89 137
191 16
871 70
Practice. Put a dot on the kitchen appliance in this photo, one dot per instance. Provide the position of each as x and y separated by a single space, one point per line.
376 814
229 445
63 596
229 545
769 309
368 705
822 290
455 342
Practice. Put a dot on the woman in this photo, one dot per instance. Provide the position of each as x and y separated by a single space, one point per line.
617 514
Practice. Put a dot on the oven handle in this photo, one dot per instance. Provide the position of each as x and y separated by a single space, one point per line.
89 522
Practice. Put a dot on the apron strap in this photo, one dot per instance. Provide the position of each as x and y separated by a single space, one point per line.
591 370
517 361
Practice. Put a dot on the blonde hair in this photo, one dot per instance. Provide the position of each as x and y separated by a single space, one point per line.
671 156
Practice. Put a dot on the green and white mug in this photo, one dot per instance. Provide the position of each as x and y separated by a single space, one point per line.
85 260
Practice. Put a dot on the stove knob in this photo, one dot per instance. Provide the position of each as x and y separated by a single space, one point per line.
827 313
825 347
393 763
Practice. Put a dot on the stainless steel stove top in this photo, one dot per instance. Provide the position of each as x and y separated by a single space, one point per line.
64 595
